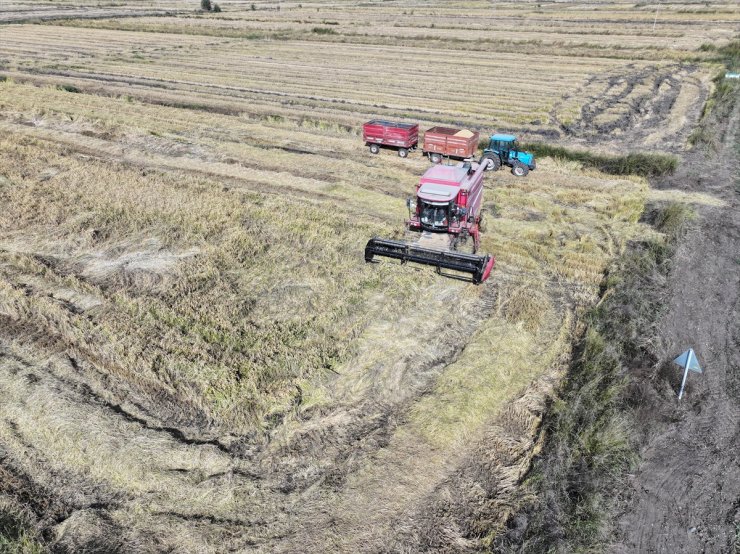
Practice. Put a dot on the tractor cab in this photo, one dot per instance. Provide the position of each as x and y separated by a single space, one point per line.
504 145
504 150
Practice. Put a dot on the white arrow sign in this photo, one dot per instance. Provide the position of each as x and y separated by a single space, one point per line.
689 362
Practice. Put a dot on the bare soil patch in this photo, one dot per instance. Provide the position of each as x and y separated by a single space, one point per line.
684 494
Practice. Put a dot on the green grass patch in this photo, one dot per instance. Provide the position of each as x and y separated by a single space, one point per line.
719 105
16 534
636 163
729 55
69 88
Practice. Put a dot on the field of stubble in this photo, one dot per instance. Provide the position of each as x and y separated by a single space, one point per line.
194 356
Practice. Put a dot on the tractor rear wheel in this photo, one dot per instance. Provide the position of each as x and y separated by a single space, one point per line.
519 169
402 152
374 148
492 162
436 158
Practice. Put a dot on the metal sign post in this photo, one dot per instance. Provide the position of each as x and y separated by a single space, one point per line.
689 362
685 374
655 21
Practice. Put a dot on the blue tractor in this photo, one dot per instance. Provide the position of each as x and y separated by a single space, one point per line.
504 150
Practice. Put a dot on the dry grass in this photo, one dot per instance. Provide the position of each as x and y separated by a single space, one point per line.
194 355
609 53
215 313
197 299
589 431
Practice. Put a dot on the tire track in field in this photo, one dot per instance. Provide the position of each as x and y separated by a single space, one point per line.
392 493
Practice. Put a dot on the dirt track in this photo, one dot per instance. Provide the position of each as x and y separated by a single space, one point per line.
685 495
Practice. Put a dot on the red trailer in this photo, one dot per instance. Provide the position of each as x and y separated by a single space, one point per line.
453 143
403 136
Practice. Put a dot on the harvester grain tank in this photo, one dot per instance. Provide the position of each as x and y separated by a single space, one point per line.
447 205
503 150
401 136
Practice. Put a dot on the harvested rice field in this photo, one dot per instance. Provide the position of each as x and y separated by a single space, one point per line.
194 355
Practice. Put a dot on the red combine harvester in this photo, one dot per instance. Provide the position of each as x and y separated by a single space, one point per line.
447 207
403 136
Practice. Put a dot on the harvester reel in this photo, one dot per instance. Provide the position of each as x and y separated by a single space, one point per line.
477 267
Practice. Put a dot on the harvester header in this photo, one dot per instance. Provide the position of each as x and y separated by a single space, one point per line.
479 267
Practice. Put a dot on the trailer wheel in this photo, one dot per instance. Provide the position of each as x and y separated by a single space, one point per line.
519 169
436 158
402 152
374 148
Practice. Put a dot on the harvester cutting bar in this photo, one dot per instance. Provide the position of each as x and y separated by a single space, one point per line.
479 267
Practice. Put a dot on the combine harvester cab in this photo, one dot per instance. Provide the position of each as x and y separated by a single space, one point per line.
447 204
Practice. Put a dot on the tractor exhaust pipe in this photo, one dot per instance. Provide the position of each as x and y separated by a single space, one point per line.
478 267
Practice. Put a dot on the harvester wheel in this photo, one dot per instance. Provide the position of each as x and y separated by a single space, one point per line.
436 158
374 148
492 162
463 243
402 152
519 169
